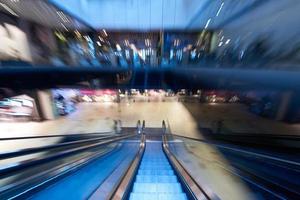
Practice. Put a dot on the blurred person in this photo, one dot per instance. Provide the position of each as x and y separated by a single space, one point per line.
117 126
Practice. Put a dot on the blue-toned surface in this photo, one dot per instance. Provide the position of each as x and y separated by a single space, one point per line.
155 179
83 182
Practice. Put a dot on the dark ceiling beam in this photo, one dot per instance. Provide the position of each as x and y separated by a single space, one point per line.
158 78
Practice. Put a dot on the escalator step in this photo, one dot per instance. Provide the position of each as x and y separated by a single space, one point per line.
155 163
156 179
152 172
155 167
143 196
157 187
155 157
157 196
180 196
149 161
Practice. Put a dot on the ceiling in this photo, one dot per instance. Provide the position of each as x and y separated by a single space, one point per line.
238 20
41 12
174 14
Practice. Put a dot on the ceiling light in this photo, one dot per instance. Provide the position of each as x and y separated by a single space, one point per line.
118 47
77 33
222 4
64 26
207 23
147 42
60 36
62 16
86 37
126 42
104 32
100 38
8 9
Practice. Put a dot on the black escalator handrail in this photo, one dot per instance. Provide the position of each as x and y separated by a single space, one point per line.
194 189
14 168
49 136
27 151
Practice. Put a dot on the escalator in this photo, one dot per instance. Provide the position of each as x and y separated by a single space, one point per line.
62 169
135 165
156 174
142 164
155 178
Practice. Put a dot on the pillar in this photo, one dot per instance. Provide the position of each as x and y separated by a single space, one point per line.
46 104
283 107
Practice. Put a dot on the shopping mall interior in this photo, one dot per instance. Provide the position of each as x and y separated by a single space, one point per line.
149 99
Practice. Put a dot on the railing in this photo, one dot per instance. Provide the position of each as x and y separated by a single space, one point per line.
26 151
194 190
99 134
78 144
6 171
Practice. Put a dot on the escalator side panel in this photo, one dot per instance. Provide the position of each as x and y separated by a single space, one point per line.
82 183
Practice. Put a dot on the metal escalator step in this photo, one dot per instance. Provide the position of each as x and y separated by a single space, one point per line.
157 196
180 196
143 196
155 172
155 167
160 161
155 164
156 179
154 161
144 188
169 187
157 187
155 158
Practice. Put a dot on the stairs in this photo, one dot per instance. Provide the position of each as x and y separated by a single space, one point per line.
155 179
